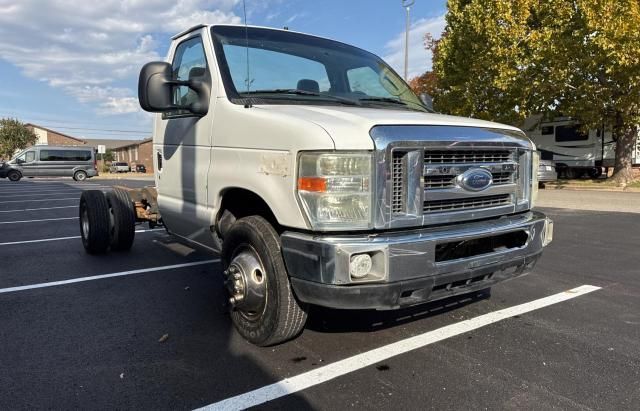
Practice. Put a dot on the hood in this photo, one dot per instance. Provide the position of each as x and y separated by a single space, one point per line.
349 126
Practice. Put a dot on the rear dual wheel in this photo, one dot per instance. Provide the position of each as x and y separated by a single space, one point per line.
106 221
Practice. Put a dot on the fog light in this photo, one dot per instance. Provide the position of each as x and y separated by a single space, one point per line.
360 265
548 232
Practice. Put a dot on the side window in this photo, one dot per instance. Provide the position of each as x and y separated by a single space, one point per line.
189 61
52 155
366 80
75 155
546 130
570 133
30 156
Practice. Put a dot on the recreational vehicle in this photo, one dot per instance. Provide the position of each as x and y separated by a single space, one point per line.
576 152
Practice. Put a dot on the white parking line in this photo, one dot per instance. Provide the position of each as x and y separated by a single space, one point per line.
103 276
46 190
42 186
59 193
359 361
37 209
48 199
44 240
37 221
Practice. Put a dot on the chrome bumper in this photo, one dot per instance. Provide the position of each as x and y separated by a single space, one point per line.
407 267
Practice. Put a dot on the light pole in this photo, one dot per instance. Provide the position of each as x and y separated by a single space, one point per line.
407 6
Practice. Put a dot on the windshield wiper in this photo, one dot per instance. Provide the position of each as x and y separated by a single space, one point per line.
418 107
304 93
383 100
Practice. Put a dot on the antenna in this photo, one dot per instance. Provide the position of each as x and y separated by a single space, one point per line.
246 37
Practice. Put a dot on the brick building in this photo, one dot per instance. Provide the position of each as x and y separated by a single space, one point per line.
140 152
53 138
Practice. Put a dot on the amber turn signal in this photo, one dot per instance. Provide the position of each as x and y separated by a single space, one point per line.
317 184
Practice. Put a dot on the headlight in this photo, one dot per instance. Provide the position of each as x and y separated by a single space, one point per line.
335 189
535 163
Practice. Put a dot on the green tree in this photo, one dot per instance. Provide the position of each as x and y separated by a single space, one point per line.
14 136
109 155
504 60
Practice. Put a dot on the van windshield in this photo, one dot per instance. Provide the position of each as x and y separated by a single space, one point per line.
265 66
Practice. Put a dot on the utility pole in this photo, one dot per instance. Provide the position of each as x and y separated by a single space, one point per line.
407 6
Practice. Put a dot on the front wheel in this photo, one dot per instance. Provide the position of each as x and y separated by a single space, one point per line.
14 175
264 309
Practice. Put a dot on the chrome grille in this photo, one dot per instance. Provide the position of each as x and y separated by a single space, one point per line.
397 191
448 181
466 156
439 206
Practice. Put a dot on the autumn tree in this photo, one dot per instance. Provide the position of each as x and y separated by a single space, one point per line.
427 83
504 60
14 136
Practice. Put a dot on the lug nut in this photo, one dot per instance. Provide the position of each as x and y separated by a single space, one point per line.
237 276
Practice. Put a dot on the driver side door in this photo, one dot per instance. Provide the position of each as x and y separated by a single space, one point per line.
28 164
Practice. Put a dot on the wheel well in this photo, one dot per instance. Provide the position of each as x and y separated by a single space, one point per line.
238 203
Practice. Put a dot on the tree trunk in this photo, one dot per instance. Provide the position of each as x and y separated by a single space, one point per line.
625 144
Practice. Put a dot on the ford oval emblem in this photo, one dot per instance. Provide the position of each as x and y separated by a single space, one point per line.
475 179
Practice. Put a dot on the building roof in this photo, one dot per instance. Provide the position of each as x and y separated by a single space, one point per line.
57 132
135 143
110 143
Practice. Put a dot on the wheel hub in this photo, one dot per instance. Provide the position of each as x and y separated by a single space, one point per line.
85 223
246 283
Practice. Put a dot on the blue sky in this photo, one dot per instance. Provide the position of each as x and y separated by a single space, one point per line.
72 65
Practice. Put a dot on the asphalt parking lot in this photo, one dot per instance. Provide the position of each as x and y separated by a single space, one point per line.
148 329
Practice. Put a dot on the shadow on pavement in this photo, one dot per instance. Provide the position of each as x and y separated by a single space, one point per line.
342 321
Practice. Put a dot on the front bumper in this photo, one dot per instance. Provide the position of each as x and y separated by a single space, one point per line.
409 266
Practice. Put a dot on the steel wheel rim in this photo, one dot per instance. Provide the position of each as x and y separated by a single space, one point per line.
247 283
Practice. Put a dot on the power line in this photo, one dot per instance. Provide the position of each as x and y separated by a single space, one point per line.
101 129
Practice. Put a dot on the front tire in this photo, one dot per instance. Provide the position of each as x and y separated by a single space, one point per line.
94 221
264 310
14 175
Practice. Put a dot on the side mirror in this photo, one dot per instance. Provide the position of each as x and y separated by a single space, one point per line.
156 88
155 91
427 100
